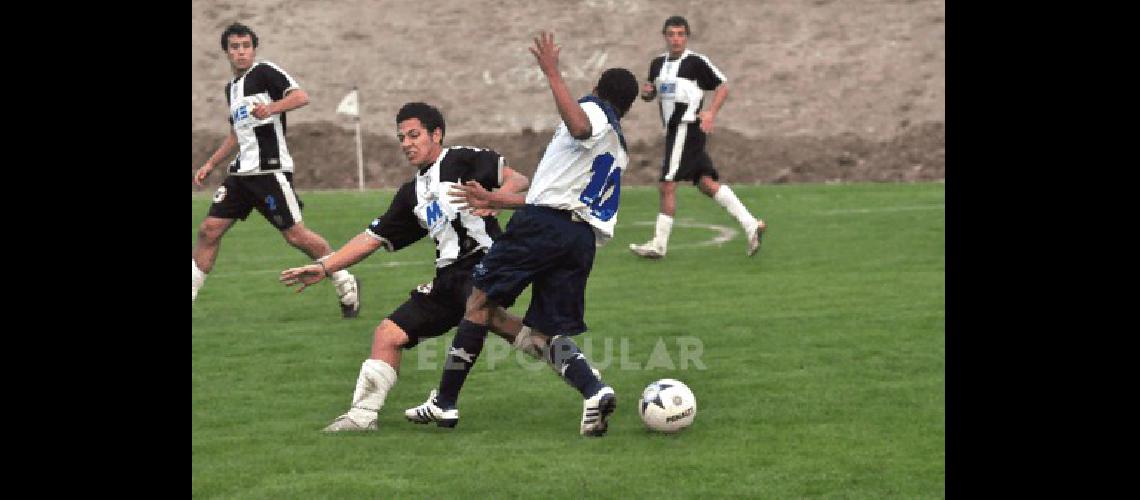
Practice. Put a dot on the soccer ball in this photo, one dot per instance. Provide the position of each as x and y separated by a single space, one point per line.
667 405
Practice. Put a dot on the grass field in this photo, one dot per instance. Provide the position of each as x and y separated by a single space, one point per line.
823 361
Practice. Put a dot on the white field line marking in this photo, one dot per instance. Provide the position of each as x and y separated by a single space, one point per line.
353 269
846 211
724 234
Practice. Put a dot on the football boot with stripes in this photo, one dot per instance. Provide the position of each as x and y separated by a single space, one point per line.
596 411
431 412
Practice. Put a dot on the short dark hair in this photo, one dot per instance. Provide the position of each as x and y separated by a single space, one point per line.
240 30
618 86
427 114
676 21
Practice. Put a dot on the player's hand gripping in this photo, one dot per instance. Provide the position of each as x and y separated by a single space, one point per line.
546 52
472 197
304 275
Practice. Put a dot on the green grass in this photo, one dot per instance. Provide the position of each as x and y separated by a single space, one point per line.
824 359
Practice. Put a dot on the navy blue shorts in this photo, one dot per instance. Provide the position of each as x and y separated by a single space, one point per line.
554 251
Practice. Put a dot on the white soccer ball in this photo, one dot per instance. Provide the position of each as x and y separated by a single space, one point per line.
667 405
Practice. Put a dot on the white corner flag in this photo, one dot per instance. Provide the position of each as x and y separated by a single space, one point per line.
350 106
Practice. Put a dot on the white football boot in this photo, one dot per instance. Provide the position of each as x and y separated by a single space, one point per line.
596 410
649 249
755 236
344 423
430 412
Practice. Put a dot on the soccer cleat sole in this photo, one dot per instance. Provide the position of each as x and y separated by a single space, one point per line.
606 407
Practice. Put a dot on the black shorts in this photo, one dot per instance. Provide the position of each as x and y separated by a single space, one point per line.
271 194
686 160
551 249
436 307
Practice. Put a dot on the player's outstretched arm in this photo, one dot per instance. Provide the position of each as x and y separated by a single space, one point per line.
546 53
352 252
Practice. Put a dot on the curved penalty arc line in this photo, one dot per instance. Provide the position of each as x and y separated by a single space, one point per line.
724 234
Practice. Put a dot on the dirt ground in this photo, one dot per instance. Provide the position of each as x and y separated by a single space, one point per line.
820 90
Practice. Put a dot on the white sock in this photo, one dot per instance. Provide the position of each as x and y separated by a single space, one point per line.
664 227
730 202
197 277
372 385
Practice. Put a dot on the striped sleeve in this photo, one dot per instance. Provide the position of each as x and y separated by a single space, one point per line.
708 75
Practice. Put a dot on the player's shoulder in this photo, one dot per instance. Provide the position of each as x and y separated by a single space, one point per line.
264 66
465 153
697 55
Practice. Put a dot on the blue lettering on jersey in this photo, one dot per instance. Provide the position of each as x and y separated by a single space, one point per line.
241 113
432 213
603 193
668 88
271 203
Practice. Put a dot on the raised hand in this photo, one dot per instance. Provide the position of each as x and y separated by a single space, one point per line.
546 52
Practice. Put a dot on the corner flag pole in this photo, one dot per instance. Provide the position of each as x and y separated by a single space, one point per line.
359 156
350 105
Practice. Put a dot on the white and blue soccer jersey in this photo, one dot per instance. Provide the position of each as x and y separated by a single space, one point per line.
422 206
261 143
584 176
681 84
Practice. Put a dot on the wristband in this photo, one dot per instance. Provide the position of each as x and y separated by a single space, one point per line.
325 269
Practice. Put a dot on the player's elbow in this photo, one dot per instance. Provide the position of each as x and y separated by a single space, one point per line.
580 131
299 97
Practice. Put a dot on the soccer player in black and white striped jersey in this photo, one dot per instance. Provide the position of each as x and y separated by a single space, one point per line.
261 176
680 78
422 208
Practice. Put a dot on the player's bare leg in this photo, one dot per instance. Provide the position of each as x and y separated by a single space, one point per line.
377 376
205 252
657 247
753 227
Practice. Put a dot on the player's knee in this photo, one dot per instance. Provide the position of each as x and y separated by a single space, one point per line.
388 334
296 236
210 233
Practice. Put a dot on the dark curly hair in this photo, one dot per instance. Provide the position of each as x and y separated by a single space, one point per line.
618 86
240 30
428 115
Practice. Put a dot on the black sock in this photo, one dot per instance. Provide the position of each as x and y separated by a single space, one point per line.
468 343
572 365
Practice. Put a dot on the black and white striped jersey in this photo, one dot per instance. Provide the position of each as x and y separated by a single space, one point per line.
261 143
422 207
681 84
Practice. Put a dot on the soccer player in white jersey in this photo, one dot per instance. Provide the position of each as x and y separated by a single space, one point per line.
261 176
421 208
570 209
680 78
